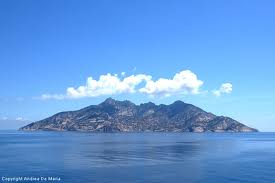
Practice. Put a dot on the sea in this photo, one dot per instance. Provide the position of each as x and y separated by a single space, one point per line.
73 157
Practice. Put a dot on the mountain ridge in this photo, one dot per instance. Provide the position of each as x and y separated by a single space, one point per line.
125 116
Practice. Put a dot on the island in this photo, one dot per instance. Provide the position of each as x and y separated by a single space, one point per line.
125 116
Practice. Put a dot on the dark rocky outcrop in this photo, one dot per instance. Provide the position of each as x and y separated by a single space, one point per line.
125 116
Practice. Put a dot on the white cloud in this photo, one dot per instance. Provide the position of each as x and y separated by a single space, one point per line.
184 82
224 88
4 118
106 85
51 96
19 119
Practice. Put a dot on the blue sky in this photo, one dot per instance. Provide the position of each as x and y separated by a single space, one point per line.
49 46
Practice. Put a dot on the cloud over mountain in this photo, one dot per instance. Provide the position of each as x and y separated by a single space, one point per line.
108 85
224 88
182 83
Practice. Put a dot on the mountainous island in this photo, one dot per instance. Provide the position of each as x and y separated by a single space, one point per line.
124 116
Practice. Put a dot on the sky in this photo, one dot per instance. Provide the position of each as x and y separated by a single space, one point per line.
65 55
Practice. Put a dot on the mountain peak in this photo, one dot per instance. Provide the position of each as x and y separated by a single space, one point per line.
109 101
179 102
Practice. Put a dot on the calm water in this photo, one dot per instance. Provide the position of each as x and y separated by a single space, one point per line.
145 157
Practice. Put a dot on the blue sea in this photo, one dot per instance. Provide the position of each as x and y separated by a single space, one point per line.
73 157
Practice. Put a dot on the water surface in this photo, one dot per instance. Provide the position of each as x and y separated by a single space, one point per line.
139 157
